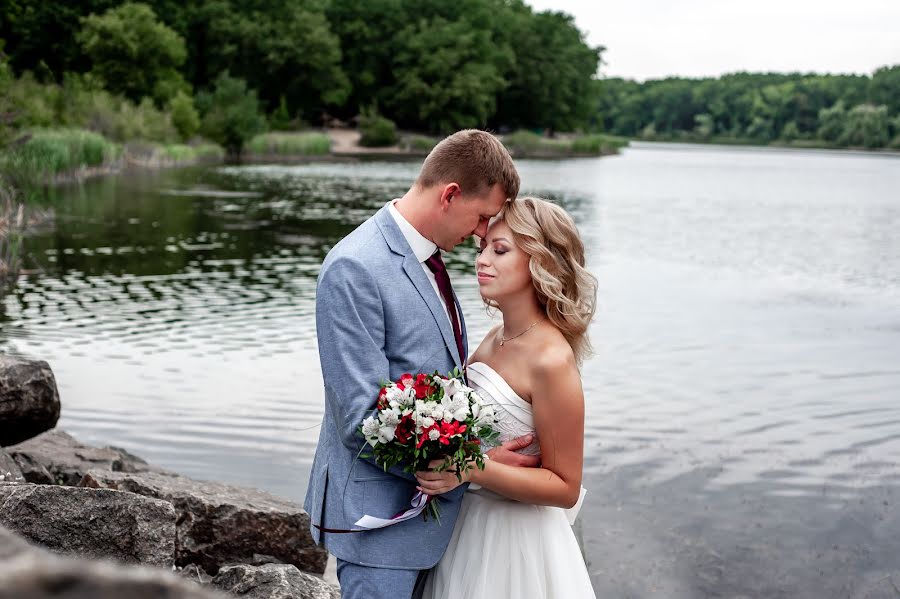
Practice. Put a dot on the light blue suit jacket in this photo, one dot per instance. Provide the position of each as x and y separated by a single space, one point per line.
377 317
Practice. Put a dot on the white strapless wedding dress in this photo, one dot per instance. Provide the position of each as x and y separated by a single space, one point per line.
503 548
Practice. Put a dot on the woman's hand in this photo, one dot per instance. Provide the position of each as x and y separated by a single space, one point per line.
438 483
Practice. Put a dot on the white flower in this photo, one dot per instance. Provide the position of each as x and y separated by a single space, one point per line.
451 386
386 433
434 435
461 413
393 393
370 430
486 416
390 417
427 422
408 396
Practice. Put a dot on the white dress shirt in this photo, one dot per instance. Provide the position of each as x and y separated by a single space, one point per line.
421 246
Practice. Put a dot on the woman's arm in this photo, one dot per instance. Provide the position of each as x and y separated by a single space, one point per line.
558 408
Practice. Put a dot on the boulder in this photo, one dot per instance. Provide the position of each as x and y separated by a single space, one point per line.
56 457
220 524
92 523
29 399
12 545
36 575
273 581
9 469
195 573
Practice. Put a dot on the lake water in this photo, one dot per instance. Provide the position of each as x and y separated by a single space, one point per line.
743 407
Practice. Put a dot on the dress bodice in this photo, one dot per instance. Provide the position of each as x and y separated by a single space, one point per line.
514 415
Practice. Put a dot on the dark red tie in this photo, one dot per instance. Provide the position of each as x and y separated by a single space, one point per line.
436 265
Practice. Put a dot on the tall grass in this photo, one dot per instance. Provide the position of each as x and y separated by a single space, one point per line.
189 153
598 143
12 230
48 153
527 143
305 143
418 143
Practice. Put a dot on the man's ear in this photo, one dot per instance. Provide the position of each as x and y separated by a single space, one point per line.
449 193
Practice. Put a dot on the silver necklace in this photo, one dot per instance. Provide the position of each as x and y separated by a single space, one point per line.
504 339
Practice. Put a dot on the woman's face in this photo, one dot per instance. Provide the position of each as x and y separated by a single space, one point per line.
502 266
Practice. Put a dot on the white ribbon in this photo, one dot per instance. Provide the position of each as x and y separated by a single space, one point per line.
419 502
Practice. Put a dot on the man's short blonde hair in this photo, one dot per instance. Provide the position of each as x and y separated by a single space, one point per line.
474 159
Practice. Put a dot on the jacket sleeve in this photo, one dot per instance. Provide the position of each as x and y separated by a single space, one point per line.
350 327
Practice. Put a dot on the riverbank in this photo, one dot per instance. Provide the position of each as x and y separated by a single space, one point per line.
93 504
58 156
778 144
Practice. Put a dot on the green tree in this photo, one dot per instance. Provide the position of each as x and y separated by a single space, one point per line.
280 120
132 53
884 88
366 52
866 126
281 48
831 122
551 84
791 131
184 116
7 111
705 126
447 77
231 113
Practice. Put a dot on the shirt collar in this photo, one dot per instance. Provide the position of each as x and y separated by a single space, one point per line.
422 247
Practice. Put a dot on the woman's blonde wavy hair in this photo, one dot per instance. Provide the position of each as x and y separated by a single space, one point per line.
566 290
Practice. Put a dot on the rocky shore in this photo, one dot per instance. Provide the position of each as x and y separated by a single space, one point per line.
81 521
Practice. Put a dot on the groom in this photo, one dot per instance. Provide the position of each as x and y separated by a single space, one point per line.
385 306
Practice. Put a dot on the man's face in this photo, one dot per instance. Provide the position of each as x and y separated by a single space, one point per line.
469 215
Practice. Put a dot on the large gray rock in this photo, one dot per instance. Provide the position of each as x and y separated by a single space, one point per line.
221 524
11 545
29 399
92 523
56 457
33 574
273 581
9 469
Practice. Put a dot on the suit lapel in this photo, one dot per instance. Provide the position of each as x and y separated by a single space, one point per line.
413 269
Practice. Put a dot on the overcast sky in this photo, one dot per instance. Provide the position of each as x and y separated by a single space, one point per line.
657 38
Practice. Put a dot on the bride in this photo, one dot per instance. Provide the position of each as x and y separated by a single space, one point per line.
513 537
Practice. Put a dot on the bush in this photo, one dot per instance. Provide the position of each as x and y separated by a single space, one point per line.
377 131
231 113
597 144
184 116
307 143
418 143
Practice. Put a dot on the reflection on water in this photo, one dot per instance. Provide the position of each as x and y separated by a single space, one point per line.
743 422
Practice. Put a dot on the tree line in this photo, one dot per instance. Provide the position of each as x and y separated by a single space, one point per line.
429 65
797 109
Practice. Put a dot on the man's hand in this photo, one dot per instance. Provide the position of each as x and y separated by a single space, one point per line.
506 453
438 483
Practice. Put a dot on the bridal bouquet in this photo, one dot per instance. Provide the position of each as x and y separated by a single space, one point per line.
429 417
